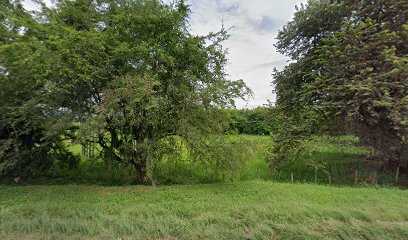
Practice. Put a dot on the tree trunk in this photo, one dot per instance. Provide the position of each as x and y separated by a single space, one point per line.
397 176
140 169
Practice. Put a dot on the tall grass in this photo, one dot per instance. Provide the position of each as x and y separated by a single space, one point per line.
337 157
328 158
184 169
241 210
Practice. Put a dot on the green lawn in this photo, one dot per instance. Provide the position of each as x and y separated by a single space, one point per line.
242 210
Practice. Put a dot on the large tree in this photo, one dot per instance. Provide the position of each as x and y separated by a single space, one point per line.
25 144
365 77
129 74
350 64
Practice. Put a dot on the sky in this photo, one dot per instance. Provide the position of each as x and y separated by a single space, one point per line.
255 25
252 56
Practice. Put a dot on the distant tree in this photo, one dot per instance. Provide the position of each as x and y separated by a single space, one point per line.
257 121
350 66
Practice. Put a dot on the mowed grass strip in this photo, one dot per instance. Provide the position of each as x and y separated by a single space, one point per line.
242 210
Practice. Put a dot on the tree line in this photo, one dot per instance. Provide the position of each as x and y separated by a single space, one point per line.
130 77
256 121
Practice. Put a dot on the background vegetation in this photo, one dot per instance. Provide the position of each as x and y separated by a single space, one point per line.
257 121
122 92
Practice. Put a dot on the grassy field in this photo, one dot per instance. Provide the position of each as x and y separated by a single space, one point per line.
58 206
242 210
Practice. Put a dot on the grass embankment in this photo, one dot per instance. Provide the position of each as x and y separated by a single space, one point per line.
243 210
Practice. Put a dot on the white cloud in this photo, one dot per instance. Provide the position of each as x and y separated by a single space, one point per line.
30 5
251 52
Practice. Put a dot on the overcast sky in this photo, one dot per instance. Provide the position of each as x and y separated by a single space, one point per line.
252 55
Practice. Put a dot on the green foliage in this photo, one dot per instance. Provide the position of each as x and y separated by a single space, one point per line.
350 73
257 121
312 23
128 74
27 143
372 95
316 157
215 159
288 147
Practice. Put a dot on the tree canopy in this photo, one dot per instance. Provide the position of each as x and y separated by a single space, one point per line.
349 66
123 74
